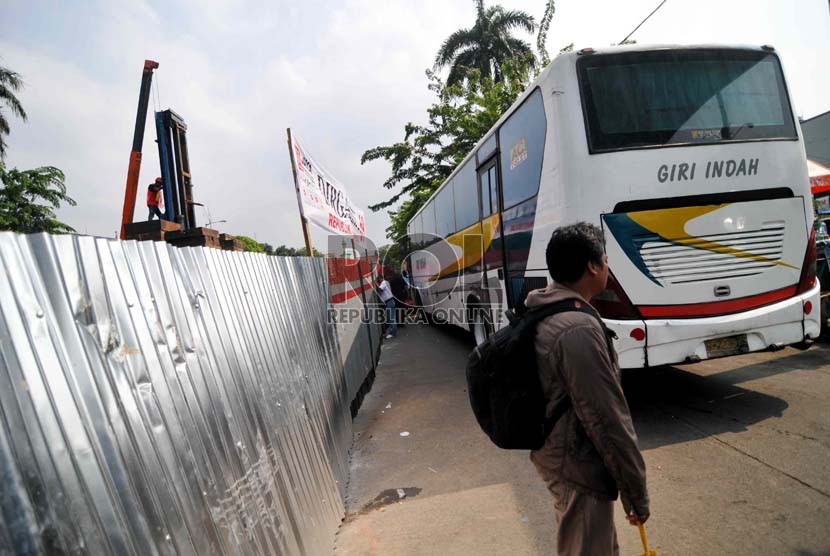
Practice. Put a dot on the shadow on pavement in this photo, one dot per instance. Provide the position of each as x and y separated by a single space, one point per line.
672 405
702 402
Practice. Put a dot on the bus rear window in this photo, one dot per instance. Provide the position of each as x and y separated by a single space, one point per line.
670 97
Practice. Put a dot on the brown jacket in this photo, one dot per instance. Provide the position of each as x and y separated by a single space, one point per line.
593 446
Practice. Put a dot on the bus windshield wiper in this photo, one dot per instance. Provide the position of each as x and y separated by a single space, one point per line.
734 134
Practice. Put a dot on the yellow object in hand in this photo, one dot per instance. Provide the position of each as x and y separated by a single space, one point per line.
646 551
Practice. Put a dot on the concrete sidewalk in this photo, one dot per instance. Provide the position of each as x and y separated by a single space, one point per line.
736 451
461 494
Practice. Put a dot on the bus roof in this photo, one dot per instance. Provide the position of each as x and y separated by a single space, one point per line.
616 49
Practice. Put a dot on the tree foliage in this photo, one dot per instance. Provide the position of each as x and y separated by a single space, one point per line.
28 199
429 153
391 256
487 45
10 83
542 37
303 252
252 245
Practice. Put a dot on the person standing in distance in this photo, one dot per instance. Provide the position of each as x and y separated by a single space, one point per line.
591 455
153 195
385 293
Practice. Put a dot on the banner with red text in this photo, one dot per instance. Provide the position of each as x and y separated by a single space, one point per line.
324 199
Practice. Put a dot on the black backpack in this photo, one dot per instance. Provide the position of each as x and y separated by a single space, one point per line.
503 380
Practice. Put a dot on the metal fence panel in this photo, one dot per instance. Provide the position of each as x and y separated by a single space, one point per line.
359 342
157 400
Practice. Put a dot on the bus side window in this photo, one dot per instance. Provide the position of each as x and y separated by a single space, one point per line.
465 197
428 222
489 191
522 144
494 189
444 210
485 194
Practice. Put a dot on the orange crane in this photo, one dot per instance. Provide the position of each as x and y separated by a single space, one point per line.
138 140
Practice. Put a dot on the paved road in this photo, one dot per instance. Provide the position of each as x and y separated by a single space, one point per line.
738 456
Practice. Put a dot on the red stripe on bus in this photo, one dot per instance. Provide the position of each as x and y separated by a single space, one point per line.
717 308
349 293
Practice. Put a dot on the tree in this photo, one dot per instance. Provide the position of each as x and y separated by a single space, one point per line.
10 83
303 252
429 153
542 37
28 199
391 256
486 45
250 244
283 251
267 248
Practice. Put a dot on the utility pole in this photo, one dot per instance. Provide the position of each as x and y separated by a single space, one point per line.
303 219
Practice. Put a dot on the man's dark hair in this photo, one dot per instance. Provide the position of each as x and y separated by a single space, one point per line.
571 248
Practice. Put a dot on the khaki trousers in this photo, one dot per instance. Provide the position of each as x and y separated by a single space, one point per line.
585 524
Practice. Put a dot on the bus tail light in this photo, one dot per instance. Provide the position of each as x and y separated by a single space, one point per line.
612 303
808 269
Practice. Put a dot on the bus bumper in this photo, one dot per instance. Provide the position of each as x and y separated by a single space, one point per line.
670 341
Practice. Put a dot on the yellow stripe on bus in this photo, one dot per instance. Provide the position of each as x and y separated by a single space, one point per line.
486 229
670 224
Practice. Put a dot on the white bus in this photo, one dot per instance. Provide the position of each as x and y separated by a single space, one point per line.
692 162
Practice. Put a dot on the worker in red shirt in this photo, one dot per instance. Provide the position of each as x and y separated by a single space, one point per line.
153 198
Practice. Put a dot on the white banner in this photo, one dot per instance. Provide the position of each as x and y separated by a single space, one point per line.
324 199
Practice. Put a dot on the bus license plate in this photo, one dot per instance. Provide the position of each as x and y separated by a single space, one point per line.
731 345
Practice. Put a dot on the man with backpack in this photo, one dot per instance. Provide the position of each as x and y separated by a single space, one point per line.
591 454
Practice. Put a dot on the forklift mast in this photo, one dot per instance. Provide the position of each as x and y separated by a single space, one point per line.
171 131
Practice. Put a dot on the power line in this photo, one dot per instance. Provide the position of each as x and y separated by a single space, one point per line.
154 91
158 94
643 21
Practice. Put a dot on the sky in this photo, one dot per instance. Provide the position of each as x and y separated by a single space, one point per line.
344 75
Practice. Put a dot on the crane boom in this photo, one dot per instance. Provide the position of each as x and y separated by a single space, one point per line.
134 167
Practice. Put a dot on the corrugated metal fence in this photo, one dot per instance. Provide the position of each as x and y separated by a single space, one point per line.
156 400
363 341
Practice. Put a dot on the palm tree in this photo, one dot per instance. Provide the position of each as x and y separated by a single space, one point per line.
10 83
486 45
542 37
